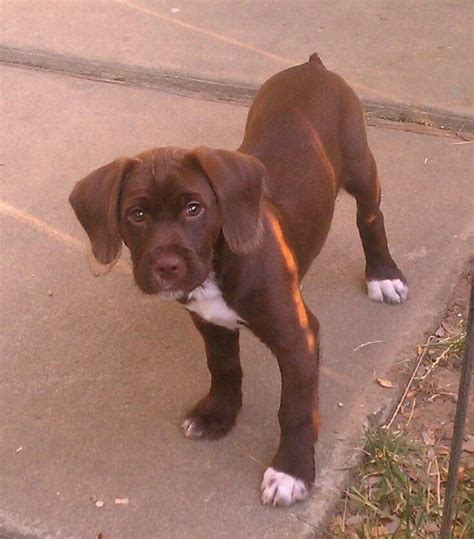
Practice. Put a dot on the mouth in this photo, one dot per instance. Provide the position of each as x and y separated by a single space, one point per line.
181 293
172 294
169 290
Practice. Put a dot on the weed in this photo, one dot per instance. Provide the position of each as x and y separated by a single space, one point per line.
399 488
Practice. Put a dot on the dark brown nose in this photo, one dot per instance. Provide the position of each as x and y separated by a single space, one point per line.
169 267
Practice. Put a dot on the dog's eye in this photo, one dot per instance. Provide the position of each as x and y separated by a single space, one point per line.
137 215
193 209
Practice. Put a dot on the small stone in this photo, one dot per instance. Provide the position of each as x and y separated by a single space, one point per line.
175 10
340 404
121 501
19 449
96 501
50 293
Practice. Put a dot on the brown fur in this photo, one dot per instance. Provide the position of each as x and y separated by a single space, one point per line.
256 217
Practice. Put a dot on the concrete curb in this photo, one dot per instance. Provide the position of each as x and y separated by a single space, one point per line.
214 90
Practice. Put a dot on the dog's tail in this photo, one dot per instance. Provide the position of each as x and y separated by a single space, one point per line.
315 58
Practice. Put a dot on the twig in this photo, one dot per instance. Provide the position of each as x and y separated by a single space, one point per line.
459 422
435 363
407 389
302 519
442 394
428 490
412 411
242 446
343 527
365 344
438 482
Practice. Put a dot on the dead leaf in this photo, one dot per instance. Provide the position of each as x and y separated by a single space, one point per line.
468 444
428 437
431 527
379 531
393 525
385 383
447 430
354 520
469 462
374 480
414 414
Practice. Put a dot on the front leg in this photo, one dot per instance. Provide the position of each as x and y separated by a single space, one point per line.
284 323
295 346
215 414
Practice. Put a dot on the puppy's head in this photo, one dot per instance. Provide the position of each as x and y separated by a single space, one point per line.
169 206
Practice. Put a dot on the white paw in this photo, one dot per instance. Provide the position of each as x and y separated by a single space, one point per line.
388 290
279 488
191 429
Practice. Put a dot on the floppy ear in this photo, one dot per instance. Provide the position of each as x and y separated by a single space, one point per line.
95 201
238 182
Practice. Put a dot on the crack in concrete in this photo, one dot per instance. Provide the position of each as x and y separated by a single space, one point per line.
409 117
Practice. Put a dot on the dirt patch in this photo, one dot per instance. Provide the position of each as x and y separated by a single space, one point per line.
398 491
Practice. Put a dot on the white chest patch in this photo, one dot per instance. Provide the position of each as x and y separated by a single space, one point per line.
207 301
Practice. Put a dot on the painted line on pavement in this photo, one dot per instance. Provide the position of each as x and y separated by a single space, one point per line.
48 230
208 33
41 226
68 240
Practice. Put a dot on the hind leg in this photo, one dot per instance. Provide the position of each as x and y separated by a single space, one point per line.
385 281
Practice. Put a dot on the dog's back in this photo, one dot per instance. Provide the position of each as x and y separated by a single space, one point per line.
230 238
297 126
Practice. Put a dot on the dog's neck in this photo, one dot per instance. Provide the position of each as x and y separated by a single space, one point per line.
207 301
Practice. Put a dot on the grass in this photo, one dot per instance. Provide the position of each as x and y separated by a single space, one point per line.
398 490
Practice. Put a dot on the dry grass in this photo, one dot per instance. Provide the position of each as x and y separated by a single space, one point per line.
399 489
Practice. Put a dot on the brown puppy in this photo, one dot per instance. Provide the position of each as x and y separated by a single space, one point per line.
230 235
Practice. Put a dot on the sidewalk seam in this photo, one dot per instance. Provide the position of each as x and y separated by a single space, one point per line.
239 93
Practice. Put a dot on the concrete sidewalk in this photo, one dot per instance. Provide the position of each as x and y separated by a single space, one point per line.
85 359
416 53
85 412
